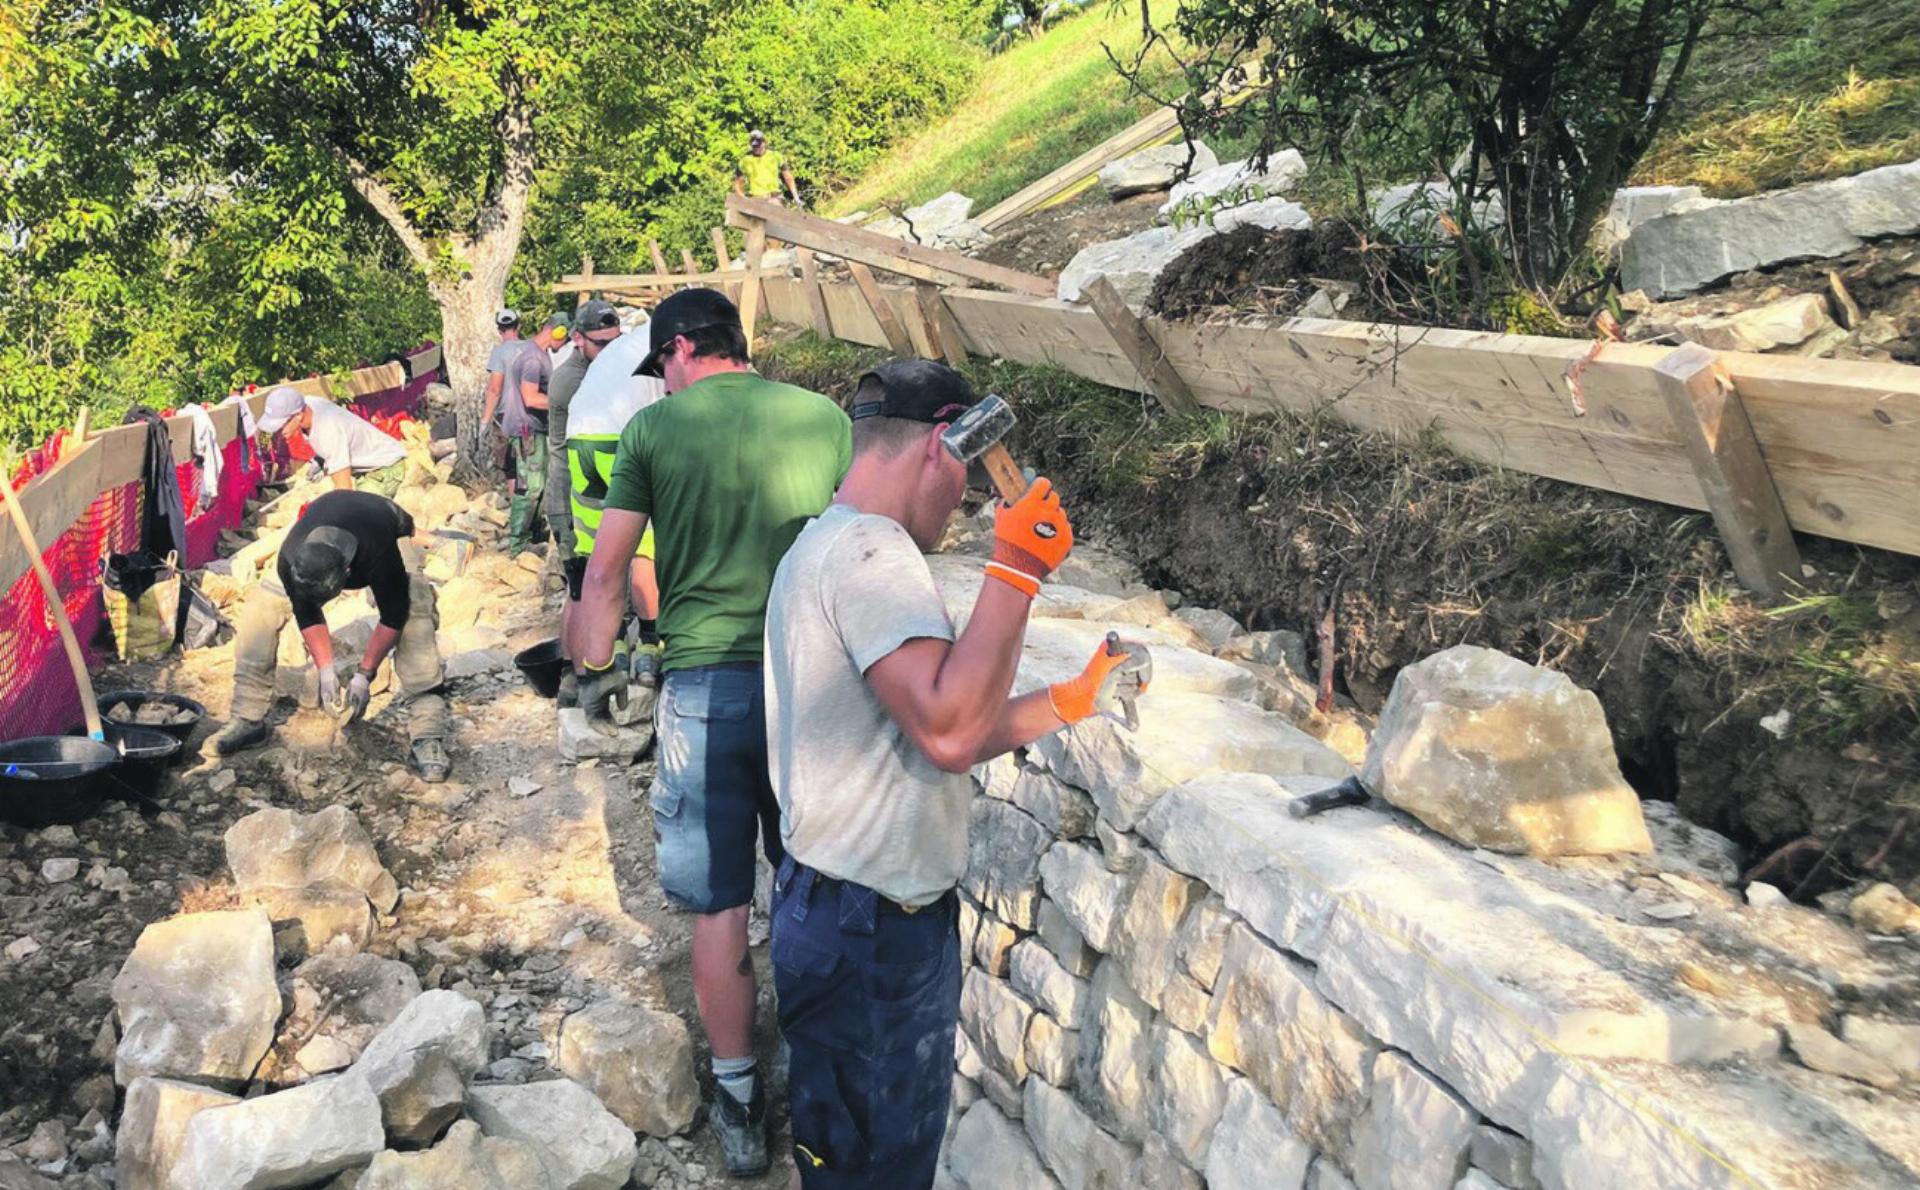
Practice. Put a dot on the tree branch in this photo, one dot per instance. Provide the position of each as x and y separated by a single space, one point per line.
384 203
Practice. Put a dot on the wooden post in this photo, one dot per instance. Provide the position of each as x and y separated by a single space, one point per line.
897 340
750 292
659 257
720 262
1142 350
688 264
586 274
1733 475
816 297
943 332
78 438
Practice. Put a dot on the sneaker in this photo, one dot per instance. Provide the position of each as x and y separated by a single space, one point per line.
741 1129
429 760
240 735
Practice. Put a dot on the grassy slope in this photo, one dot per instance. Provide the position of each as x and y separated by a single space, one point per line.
1034 107
1819 89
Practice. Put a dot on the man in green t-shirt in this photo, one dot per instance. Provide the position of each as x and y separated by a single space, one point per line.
726 471
762 172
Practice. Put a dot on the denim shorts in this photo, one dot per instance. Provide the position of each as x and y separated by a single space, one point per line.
869 1003
711 794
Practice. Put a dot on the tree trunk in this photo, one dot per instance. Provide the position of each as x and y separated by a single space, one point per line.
467 336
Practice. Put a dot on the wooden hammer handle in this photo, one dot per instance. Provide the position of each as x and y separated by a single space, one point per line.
56 607
1008 479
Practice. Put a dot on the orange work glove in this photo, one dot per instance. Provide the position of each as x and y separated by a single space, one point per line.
1118 675
1030 538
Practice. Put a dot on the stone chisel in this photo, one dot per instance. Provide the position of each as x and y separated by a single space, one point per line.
1348 793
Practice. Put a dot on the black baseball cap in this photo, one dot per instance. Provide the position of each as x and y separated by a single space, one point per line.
921 390
595 315
682 313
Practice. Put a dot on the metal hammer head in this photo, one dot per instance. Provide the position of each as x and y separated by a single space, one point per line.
978 428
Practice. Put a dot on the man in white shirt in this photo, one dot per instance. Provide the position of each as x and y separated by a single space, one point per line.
876 712
347 448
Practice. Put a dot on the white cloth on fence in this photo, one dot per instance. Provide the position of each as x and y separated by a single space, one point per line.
206 448
249 426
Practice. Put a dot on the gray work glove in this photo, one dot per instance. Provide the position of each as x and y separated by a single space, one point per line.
597 690
330 690
359 692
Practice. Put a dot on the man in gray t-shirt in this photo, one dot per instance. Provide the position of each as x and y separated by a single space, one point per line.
876 712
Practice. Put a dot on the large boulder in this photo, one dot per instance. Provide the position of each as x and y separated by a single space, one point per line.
1634 205
290 1138
638 1060
283 849
1788 322
1688 250
340 1003
197 998
1154 169
417 1065
1133 264
466 1160
1495 753
152 1126
1237 181
580 1144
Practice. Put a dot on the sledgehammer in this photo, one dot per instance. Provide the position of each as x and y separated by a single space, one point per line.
975 437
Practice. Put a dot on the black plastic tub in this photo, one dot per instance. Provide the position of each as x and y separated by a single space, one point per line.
542 666
145 754
179 731
51 779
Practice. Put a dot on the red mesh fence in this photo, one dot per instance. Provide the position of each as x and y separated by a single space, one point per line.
37 694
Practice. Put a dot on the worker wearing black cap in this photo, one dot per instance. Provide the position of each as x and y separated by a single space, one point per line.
344 541
726 470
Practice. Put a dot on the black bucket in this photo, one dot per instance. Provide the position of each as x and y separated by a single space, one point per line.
542 665
145 753
179 731
51 779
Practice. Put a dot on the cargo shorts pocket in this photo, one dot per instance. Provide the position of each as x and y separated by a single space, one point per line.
688 717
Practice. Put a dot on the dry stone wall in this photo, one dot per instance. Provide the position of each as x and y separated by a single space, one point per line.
1172 983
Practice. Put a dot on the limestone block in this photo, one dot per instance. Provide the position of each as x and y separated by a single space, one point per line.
580 1144
1160 1169
958 577
1115 1067
429 1096
1895 1042
1495 753
969 928
1051 1050
1133 263
1309 1058
997 776
1325 1175
398 1062
1037 975
991 1153
938 214
1506 1157
289 1138
1120 850
1684 251
327 915
340 1002
1088 894
1062 809
1155 169
1189 1093
1060 936
582 738
1475 1179
1150 927
1416 207
1279 648
1822 1051
283 849
1270 214
1203 943
1415 1133
1787 322
1080 1155
1689 849
1211 623
1057 650
1181 736
1634 205
1003 860
993 943
153 1124
466 1160
1238 180
1884 909
1002 1092
1252 1148
1184 1004
638 1060
967 1062
197 998
995 1017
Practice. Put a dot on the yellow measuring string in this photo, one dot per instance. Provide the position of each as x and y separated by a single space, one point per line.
1386 929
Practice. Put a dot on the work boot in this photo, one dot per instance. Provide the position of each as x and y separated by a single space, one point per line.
430 761
741 1129
240 735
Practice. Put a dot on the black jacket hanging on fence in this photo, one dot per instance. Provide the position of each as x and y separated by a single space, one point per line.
163 517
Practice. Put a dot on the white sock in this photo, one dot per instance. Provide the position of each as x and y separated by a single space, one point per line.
736 1076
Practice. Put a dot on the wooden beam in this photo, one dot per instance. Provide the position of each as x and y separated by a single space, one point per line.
629 282
720 258
687 263
943 334
1160 125
659 257
1140 348
750 299
914 261
822 321
586 276
897 340
1718 436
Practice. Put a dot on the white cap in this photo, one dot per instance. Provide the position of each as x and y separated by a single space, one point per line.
507 317
283 405
756 134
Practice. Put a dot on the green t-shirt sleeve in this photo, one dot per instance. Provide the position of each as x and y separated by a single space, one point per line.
844 461
630 488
